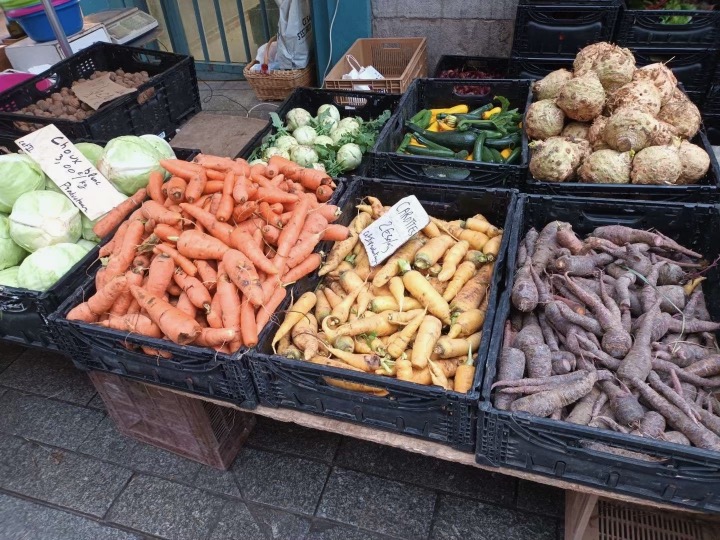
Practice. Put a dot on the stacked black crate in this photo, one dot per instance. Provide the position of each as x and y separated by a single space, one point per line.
687 41
548 34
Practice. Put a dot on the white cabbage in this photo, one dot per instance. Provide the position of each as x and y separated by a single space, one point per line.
44 218
8 277
10 253
41 270
128 161
18 174
91 151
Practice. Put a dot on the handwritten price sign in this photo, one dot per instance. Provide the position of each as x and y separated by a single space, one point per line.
385 236
83 184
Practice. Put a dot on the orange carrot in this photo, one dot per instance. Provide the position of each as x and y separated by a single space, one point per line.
167 233
324 193
279 164
310 179
185 305
272 195
271 234
196 245
258 169
229 300
270 217
175 189
244 211
196 292
141 260
107 249
303 249
289 235
121 305
329 212
213 337
210 161
214 316
243 242
240 192
248 325
118 214
315 223
160 214
241 167
82 313
207 273
121 260
243 274
221 231
196 186
309 264
154 187
175 324
278 209
227 203
101 302
336 233
213 186
266 311
180 260
215 203
217 176
183 169
133 323
160 275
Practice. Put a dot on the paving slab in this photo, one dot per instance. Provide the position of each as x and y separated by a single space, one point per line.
377 504
287 482
436 474
45 420
64 478
461 519
251 522
48 374
96 403
325 530
166 509
216 480
293 439
541 499
8 353
25 520
106 442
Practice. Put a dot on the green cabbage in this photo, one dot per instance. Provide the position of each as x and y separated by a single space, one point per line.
91 151
87 228
52 186
8 277
160 145
43 218
10 253
41 270
18 174
87 245
128 161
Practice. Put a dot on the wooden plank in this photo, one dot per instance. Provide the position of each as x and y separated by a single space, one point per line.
427 448
579 507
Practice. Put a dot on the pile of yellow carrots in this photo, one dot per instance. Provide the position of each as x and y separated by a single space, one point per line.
205 257
417 317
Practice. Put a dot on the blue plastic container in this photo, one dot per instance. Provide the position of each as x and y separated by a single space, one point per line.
37 26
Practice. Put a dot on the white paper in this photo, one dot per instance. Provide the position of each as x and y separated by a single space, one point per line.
76 177
385 236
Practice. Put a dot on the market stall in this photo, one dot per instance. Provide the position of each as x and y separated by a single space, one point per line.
514 274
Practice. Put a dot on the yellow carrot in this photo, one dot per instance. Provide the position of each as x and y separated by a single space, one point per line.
452 259
403 338
427 335
463 274
423 292
297 311
466 323
447 347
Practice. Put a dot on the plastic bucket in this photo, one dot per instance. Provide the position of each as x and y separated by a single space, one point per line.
36 25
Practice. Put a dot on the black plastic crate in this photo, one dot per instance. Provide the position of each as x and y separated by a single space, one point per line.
366 105
559 29
428 412
191 369
495 66
712 98
694 68
526 67
24 314
683 476
646 28
706 190
172 77
712 129
438 93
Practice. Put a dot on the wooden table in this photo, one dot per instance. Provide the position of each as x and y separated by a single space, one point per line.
580 500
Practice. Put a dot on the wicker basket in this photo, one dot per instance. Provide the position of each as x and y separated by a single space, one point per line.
277 85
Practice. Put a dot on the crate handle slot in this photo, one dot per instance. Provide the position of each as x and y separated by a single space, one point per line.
611 218
152 61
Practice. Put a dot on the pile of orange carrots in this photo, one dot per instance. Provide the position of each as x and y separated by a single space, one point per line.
205 258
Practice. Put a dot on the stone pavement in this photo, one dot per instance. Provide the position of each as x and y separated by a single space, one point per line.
234 98
67 474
